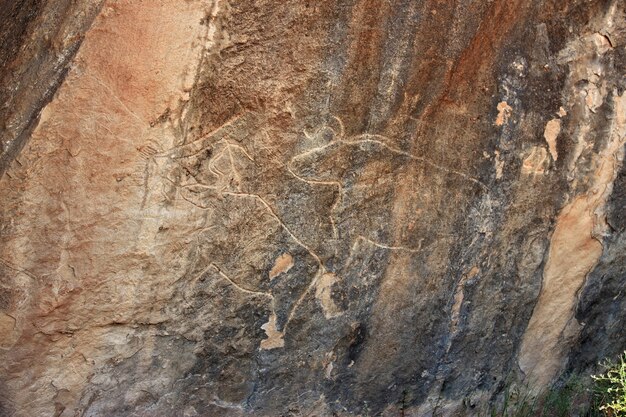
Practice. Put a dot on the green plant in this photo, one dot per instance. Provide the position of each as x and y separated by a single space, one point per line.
570 397
573 396
610 388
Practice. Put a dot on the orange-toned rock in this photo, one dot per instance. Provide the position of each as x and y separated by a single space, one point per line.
237 208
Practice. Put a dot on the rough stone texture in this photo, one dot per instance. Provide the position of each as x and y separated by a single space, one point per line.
38 39
340 207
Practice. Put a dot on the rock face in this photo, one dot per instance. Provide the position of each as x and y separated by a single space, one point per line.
335 207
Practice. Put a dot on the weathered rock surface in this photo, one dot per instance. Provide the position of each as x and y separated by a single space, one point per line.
307 207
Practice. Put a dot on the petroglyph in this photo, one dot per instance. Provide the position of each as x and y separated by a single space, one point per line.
238 286
364 170
227 131
274 338
260 208
400 248
218 200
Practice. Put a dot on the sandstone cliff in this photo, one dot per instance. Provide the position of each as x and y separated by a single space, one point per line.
332 207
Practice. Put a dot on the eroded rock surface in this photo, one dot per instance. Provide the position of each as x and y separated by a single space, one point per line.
308 208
